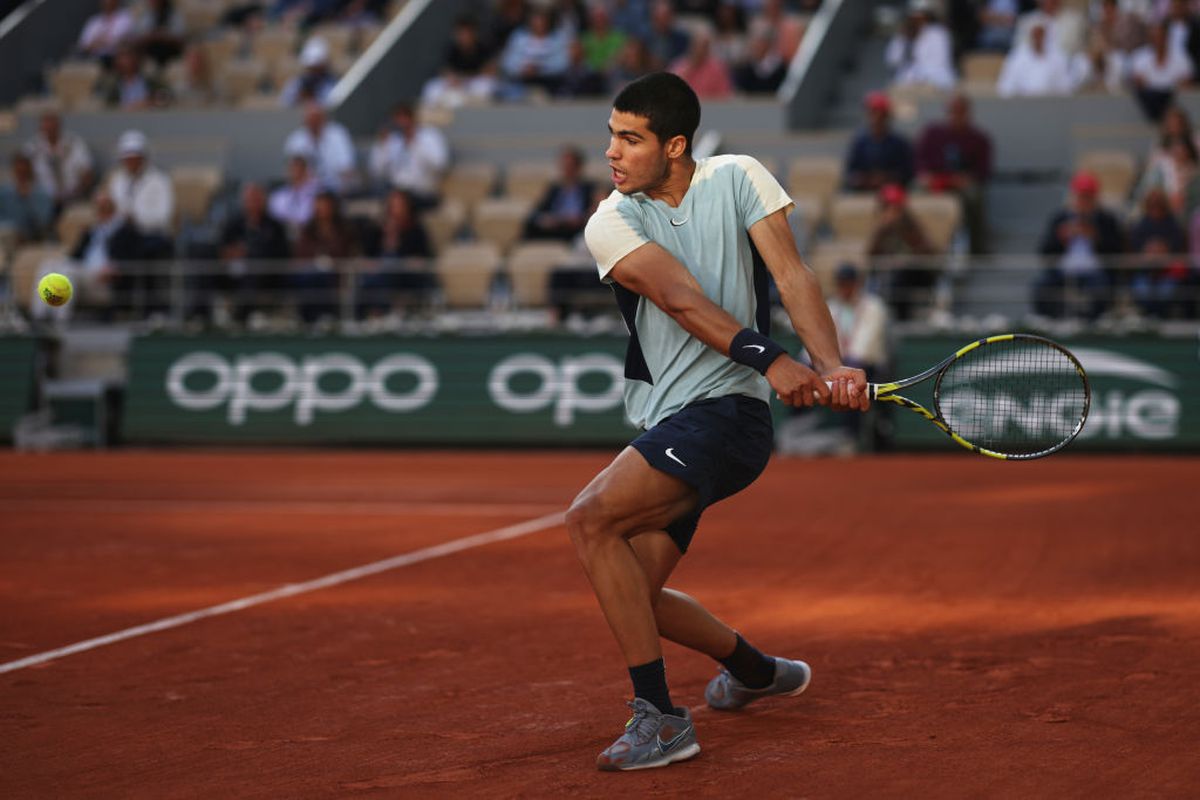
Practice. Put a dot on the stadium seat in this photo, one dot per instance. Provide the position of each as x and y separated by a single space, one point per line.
981 70
939 215
23 272
1115 169
809 209
465 272
220 50
815 176
238 79
830 255
500 220
272 45
73 221
444 223
529 268
469 183
339 38
200 16
852 215
527 180
370 208
195 187
73 83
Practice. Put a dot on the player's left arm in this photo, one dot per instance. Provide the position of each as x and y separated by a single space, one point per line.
805 305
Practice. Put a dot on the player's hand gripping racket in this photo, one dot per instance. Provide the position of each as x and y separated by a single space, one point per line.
1013 396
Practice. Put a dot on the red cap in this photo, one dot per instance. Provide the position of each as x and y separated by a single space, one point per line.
1085 183
892 194
877 101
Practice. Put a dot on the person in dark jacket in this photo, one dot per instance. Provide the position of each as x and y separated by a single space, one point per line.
563 210
878 156
402 246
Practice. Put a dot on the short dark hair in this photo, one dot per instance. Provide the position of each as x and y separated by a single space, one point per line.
667 101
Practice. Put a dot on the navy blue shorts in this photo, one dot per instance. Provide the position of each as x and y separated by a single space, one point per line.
716 446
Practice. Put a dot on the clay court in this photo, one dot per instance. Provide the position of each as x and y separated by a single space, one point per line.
975 628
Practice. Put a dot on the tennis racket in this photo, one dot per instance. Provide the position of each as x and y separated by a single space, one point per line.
1014 397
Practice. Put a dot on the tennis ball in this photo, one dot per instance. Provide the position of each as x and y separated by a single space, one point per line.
54 289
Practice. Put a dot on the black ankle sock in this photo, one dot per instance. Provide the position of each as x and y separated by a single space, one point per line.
650 684
750 667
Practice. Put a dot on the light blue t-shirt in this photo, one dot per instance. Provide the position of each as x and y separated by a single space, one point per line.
666 367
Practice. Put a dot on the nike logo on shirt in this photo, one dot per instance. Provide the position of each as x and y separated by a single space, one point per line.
678 222
670 453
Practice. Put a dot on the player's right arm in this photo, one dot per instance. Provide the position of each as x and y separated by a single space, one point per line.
658 276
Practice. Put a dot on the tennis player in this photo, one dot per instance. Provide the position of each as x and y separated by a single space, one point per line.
675 242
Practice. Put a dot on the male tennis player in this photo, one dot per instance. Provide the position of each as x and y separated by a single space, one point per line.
674 240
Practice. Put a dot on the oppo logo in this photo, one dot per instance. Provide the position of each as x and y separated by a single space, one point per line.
528 383
269 381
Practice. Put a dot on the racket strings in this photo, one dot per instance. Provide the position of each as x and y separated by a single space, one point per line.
1020 397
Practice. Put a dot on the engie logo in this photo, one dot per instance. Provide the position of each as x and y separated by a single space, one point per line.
304 384
591 383
1136 411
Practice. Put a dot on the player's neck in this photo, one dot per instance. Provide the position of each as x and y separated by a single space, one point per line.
676 183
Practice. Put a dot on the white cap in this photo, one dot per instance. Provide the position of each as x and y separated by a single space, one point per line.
315 52
131 143
298 148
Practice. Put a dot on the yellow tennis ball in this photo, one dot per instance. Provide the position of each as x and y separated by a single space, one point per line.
54 289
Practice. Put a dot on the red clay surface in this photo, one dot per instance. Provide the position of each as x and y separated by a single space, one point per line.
976 629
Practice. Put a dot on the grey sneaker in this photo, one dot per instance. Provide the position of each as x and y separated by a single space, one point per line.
651 739
727 693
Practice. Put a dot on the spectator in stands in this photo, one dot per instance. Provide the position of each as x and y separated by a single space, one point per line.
563 210
105 31
128 87
633 63
997 22
468 73
325 240
877 155
411 156
1156 71
632 17
1114 37
1183 32
157 31
861 318
26 208
921 53
786 28
95 261
1079 238
400 239
292 203
316 80
61 161
1035 69
899 237
666 42
1064 28
1162 242
507 16
329 147
956 156
196 87
763 70
144 195
254 246
730 41
580 80
537 53
704 72
601 42
1168 167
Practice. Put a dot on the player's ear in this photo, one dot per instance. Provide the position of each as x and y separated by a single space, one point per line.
676 146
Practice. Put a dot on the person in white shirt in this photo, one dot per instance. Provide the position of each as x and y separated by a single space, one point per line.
143 192
1035 70
292 203
1066 28
411 157
61 161
922 52
1157 70
333 157
316 81
104 31
861 319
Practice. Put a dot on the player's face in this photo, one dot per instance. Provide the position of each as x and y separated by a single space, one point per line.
637 158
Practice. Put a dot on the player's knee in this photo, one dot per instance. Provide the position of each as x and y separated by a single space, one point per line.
586 522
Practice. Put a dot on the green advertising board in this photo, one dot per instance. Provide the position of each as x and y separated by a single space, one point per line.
502 390
17 358
1144 392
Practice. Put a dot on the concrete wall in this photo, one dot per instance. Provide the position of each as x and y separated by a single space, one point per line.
35 37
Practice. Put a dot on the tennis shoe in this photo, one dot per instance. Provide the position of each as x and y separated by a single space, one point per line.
651 739
727 693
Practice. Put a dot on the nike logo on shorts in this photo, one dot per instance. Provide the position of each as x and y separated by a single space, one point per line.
670 453
757 347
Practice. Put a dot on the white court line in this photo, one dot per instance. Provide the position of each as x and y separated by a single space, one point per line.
281 506
293 589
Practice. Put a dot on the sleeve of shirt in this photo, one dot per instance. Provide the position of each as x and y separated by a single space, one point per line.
155 203
611 235
344 148
758 193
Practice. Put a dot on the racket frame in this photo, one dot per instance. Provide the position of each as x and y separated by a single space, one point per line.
886 393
